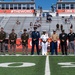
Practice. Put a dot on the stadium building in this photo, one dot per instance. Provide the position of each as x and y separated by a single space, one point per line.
65 7
25 7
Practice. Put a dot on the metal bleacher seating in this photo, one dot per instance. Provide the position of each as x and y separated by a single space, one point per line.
11 22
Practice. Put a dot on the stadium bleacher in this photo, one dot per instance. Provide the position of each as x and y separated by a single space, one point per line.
11 22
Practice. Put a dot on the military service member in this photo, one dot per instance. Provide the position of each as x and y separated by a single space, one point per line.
12 38
44 39
24 38
35 40
2 42
54 43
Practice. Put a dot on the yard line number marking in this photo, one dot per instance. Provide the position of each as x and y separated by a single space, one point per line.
67 64
24 64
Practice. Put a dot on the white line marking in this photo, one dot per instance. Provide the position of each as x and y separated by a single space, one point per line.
37 55
47 66
21 55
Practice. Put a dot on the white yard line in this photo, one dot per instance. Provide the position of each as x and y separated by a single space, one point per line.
47 66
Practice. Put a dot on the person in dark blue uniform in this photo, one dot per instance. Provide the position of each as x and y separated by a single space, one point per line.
63 42
35 40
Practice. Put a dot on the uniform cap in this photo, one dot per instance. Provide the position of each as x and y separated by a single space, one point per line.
25 29
12 29
44 30
35 27
54 30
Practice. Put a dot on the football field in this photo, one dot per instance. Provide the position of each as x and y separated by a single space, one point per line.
37 65
62 65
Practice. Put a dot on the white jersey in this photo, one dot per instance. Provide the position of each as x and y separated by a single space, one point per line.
44 37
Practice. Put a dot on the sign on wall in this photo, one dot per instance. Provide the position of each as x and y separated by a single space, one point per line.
17 11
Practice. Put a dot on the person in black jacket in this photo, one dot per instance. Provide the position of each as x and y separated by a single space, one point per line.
63 42
35 40
71 39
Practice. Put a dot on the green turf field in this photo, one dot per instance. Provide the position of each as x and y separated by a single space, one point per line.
57 69
38 69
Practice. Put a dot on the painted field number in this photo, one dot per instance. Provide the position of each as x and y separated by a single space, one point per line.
67 64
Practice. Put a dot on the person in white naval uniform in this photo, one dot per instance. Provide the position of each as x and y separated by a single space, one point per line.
44 39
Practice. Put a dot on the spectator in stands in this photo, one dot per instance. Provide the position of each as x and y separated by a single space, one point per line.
2 40
54 38
20 33
24 38
57 27
61 27
38 19
48 18
63 42
17 22
65 21
71 17
39 25
29 31
35 13
71 27
71 39
57 14
43 14
35 23
44 39
40 16
31 24
12 39
63 17
35 40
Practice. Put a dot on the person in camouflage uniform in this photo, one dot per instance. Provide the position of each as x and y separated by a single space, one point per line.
12 39
24 38
2 40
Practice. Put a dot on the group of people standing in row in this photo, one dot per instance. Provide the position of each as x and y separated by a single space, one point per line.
35 35
12 41
67 42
